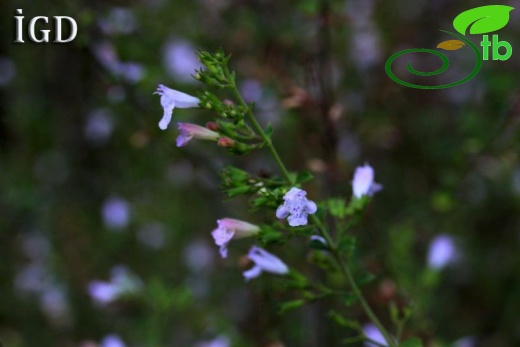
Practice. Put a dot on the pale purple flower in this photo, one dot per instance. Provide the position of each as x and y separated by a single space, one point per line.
116 213
122 282
467 341
229 228
264 261
221 341
172 98
296 206
99 126
189 131
112 340
319 239
442 252
363 183
373 333
180 61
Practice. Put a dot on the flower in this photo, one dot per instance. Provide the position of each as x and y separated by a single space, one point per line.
122 282
221 341
319 239
296 206
189 131
442 252
229 228
374 334
172 98
363 183
112 340
264 261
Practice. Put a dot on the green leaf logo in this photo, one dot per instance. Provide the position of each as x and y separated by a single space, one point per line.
482 20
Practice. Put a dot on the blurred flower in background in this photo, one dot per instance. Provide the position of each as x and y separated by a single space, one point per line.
180 61
442 252
116 213
122 283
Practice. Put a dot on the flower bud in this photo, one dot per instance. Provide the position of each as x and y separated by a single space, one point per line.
226 142
212 126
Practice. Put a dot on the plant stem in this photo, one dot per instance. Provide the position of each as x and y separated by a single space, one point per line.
258 128
350 279
344 269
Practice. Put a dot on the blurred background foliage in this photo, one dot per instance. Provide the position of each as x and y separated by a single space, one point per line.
92 191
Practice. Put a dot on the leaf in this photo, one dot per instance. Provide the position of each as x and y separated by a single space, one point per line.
291 305
347 246
365 278
337 207
303 177
451 45
268 130
482 20
412 342
344 322
349 299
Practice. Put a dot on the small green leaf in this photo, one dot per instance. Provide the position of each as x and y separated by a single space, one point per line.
482 20
291 305
412 342
344 322
349 299
365 278
269 130
337 208
347 246
303 177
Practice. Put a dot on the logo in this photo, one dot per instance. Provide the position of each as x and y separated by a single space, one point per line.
44 34
479 20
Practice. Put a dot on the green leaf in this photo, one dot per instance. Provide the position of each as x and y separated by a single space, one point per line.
412 342
291 305
337 208
357 205
269 130
349 299
482 20
365 278
347 246
303 177
344 322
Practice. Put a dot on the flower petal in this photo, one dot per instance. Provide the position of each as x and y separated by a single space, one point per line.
254 272
281 212
267 261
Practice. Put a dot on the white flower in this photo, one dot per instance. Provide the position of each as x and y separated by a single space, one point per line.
363 183
229 228
264 261
170 99
296 206
189 131
442 252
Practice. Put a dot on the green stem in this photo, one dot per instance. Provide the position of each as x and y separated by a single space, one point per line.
352 283
344 269
258 128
